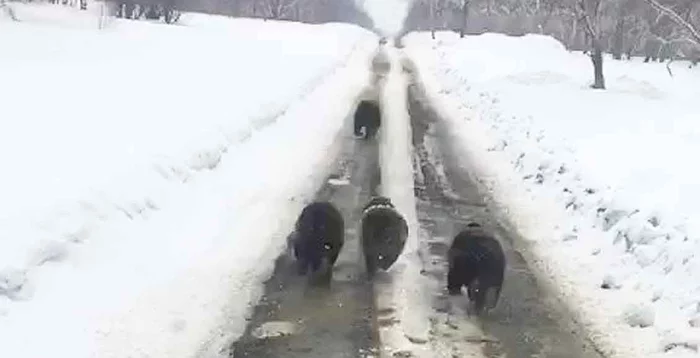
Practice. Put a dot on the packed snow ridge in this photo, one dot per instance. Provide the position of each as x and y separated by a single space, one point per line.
135 170
404 298
601 182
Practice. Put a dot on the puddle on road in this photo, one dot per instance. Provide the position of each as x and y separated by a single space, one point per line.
273 329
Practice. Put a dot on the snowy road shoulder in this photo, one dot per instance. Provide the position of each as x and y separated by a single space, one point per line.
553 165
253 232
152 230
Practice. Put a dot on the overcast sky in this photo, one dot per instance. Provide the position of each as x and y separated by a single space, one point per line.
388 15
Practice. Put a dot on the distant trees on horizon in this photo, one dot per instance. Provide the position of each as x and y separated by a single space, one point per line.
658 30
310 11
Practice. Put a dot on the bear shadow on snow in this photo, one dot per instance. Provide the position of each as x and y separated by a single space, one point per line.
367 119
383 234
317 240
476 261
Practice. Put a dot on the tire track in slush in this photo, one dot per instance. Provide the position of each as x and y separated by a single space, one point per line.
295 320
528 321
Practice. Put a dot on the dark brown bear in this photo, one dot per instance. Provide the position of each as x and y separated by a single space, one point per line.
476 260
384 233
367 119
318 238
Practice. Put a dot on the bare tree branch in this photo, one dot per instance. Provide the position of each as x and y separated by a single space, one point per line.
587 20
8 10
677 19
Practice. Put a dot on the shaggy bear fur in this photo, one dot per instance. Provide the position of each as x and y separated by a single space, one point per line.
476 260
318 238
367 119
384 233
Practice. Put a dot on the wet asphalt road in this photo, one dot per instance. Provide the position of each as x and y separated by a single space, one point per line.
525 323
295 320
323 322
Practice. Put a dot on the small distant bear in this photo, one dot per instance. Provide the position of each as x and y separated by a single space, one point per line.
384 233
318 239
476 260
367 119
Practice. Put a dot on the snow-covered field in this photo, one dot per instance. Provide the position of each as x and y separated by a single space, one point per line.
152 171
601 183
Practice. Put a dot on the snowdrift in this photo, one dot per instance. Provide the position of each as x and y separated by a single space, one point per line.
152 171
599 181
54 15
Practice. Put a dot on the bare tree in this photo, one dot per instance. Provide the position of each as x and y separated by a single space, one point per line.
544 10
8 10
313 11
620 10
681 38
678 19
436 14
589 12
278 9
658 30
464 18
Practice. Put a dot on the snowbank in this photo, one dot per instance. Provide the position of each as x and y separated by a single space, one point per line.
401 295
599 181
152 172
58 15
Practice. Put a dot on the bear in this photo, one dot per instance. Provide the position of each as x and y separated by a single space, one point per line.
383 234
318 237
476 260
367 119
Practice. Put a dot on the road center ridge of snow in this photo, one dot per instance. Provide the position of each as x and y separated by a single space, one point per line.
404 298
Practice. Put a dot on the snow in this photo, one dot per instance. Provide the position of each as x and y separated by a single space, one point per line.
600 183
403 294
273 329
388 15
153 172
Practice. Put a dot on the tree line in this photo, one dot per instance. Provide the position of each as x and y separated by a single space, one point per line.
310 11
657 30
